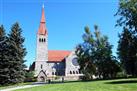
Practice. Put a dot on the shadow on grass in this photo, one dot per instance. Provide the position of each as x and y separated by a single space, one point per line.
122 82
114 81
64 82
54 82
93 80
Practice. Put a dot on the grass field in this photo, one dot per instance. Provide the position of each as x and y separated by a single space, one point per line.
104 85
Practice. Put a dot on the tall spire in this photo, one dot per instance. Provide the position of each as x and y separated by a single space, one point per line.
42 28
43 5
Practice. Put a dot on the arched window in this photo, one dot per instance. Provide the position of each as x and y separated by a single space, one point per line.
79 71
73 72
52 73
55 73
39 39
41 66
44 40
76 72
70 72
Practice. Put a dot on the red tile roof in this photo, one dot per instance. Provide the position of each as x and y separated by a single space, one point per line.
57 55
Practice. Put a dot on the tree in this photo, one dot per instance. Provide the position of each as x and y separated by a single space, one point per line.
107 65
128 39
127 51
83 52
4 62
29 76
95 55
128 14
17 53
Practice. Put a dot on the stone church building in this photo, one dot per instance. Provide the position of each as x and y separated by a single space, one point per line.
53 63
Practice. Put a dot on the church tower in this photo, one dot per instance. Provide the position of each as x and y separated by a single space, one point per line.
42 46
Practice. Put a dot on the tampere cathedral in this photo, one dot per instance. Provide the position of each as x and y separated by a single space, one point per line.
53 63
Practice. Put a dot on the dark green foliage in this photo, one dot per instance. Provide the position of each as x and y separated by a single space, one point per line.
4 62
87 67
128 14
12 53
32 67
127 51
106 63
29 76
17 53
85 59
95 56
127 47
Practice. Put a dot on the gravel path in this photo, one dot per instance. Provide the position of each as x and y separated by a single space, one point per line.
22 87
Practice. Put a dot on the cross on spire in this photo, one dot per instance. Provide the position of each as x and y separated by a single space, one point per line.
43 5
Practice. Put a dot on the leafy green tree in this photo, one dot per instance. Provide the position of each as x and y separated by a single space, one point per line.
4 61
127 51
17 53
95 56
107 65
128 14
85 59
29 76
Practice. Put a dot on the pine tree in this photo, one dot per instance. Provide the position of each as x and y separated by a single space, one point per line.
127 13
106 63
127 51
84 54
17 53
95 56
4 64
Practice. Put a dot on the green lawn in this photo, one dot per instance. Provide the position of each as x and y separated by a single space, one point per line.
104 85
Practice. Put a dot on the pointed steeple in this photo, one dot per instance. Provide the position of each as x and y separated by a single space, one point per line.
42 28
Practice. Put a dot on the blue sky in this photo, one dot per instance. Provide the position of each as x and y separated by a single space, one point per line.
65 21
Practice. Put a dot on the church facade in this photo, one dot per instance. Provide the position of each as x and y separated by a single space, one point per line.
53 63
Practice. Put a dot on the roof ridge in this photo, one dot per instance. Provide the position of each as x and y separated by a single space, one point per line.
59 50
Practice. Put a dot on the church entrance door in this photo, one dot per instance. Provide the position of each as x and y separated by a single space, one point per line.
42 79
